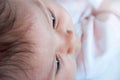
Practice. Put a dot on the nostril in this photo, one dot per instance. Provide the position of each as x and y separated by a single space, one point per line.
69 50
69 32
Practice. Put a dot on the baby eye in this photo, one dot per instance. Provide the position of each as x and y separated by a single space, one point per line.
53 22
57 64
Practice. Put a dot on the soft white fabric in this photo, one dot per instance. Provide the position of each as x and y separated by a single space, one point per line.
95 3
100 36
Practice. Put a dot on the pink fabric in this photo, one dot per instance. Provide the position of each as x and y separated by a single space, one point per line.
99 33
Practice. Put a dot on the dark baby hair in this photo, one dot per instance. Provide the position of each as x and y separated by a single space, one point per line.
13 46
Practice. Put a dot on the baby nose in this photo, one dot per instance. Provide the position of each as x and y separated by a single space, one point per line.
68 40
66 33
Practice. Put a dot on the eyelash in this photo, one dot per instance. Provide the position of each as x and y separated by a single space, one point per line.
53 22
57 64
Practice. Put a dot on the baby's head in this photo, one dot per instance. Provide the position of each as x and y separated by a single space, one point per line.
36 41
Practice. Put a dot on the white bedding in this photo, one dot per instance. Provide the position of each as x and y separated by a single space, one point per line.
100 36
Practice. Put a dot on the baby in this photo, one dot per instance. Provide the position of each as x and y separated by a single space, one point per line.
37 41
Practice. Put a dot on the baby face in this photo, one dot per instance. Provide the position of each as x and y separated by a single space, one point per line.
49 29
